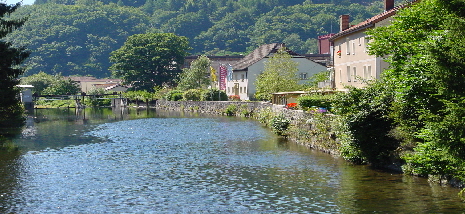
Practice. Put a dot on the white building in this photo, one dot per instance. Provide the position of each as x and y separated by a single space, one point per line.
246 71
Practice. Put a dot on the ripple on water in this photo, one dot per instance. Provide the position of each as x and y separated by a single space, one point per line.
176 165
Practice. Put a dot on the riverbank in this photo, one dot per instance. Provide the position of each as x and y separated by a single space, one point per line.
315 130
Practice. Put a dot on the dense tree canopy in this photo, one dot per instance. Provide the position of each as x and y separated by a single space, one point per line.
418 107
10 59
75 37
149 60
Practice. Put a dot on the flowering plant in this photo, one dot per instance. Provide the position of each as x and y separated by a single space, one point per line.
234 98
291 106
338 53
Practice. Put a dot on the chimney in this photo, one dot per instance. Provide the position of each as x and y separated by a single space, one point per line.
344 22
388 5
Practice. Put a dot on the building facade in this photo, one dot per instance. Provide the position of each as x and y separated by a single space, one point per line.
353 66
245 72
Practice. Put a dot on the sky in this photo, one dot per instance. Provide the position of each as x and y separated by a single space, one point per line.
16 1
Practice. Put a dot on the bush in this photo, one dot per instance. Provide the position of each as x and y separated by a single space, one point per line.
280 124
193 94
231 110
214 95
174 95
315 100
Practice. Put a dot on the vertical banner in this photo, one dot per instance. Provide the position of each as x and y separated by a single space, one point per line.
230 72
223 75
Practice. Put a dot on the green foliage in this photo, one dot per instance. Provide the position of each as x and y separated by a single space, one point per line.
193 95
197 76
315 100
264 115
149 60
367 127
322 76
231 110
214 95
280 124
174 95
11 57
426 80
62 86
279 75
95 100
40 81
75 39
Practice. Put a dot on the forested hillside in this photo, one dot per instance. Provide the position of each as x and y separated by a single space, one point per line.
75 37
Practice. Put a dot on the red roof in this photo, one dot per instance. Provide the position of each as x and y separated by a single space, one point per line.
371 21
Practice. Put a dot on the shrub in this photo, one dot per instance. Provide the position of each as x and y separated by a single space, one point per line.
193 94
231 110
214 95
315 100
174 95
280 124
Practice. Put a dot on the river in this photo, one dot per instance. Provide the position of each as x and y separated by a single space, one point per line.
147 161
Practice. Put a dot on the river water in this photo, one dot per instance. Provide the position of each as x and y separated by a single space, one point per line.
147 161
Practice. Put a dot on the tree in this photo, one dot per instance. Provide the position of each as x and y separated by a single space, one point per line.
40 81
62 86
149 60
279 75
427 57
197 76
11 58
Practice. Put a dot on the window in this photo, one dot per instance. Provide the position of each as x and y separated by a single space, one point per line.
240 90
347 46
338 53
355 74
303 76
360 41
340 75
229 89
367 40
353 48
348 74
242 77
365 72
245 90
370 76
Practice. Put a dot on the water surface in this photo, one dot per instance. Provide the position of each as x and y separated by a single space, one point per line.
103 161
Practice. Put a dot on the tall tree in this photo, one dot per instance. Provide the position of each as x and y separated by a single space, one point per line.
425 48
149 60
280 74
11 58
197 76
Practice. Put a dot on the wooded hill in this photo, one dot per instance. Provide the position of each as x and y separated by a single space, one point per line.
75 37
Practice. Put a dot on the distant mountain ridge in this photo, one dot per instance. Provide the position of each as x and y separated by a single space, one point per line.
76 37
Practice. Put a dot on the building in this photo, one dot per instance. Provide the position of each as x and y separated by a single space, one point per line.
352 64
245 72
88 83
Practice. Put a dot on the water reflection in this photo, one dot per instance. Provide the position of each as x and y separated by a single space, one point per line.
146 161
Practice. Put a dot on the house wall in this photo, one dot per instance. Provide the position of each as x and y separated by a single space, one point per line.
243 83
354 66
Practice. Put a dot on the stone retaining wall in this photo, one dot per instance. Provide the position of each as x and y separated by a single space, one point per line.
313 130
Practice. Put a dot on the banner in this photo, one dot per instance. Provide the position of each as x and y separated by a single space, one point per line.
223 75
230 73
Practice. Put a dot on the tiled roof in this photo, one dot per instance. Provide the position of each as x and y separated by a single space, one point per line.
258 54
371 21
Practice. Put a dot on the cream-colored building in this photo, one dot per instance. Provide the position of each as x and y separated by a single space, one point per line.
246 71
353 66
88 83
